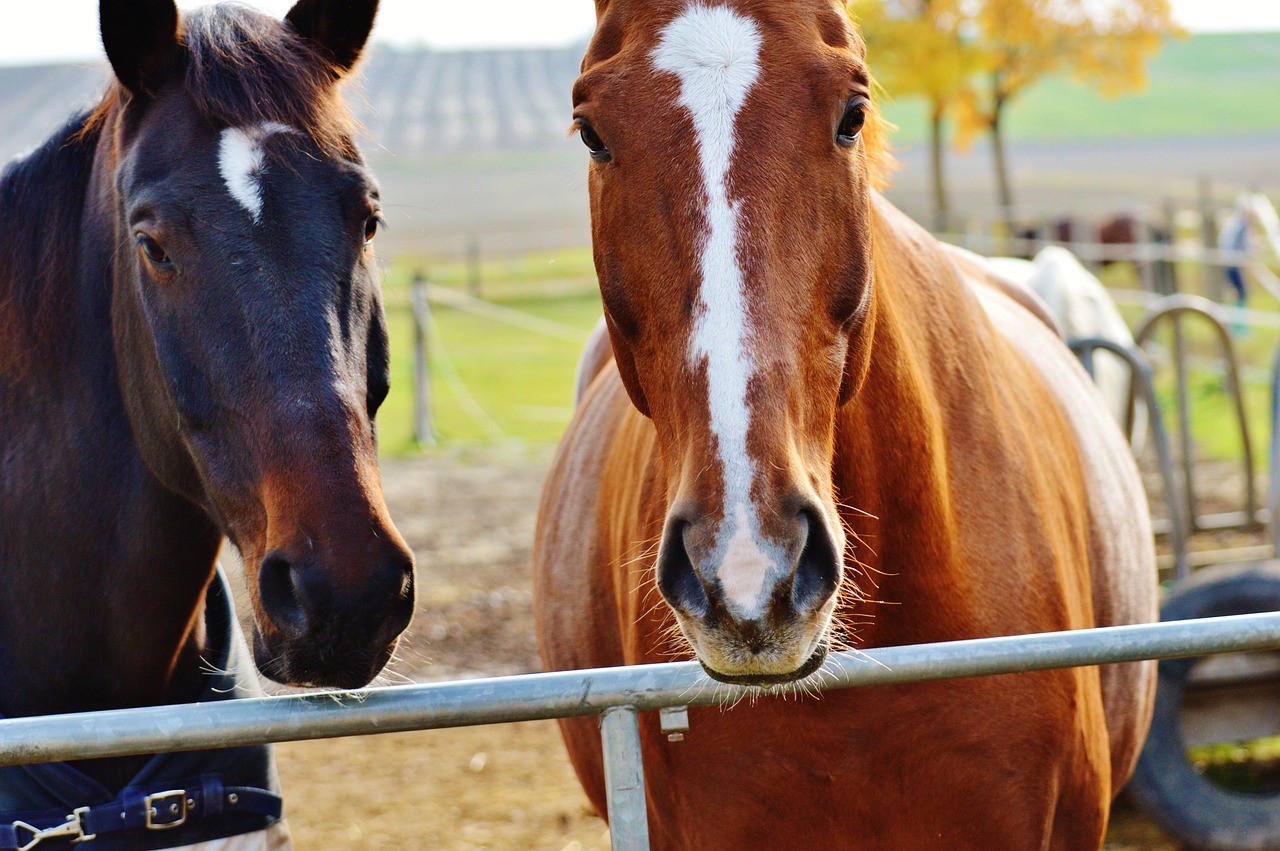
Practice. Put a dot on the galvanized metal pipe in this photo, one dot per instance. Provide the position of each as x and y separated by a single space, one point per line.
1143 386
1176 308
1273 458
590 692
624 779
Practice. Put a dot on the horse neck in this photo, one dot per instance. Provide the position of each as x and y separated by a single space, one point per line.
42 203
101 569
893 470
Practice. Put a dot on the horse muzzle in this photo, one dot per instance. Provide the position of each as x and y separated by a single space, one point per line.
321 632
814 662
757 610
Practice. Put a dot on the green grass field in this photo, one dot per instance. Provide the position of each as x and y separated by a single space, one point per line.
492 382
1200 86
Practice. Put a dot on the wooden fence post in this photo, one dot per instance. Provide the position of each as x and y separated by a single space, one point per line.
424 431
473 265
1210 274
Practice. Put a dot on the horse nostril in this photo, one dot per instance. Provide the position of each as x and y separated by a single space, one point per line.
281 598
819 566
677 579
398 592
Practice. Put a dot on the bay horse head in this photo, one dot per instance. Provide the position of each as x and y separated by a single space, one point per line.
730 200
247 318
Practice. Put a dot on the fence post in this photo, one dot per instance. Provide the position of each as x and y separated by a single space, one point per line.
1211 275
473 265
1167 279
424 431
1145 262
624 779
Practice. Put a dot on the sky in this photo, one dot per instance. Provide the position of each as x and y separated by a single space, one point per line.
67 30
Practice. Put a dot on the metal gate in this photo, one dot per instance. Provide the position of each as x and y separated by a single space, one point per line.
616 695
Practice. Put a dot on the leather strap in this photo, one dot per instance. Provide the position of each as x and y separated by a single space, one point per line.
142 810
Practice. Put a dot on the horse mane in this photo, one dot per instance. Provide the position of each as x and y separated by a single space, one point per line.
881 163
241 67
42 196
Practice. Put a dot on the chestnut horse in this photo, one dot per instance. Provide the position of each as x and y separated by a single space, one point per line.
193 345
817 429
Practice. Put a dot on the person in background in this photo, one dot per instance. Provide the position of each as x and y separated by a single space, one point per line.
1252 212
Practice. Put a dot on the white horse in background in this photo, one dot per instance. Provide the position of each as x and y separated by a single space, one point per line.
1083 308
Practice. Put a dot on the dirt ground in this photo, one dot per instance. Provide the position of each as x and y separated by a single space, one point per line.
469 517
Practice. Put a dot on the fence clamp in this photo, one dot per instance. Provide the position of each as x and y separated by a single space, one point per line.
674 722
73 827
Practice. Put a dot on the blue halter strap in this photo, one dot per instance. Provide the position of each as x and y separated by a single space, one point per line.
176 799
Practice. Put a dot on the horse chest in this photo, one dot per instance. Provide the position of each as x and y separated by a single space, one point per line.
892 768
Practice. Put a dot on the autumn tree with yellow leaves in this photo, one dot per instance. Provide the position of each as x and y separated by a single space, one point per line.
917 47
972 58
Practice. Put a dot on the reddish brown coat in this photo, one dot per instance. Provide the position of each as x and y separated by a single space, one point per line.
980 486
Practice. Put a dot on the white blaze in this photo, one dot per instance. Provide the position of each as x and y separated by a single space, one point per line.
715 53
241 162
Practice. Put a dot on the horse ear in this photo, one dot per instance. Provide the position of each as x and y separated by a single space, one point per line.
141 40
339 27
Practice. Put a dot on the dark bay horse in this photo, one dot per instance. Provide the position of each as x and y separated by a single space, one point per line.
818 428
192 345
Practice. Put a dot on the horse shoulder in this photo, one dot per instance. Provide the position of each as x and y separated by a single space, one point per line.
589 529
595 354
1122 575
588 570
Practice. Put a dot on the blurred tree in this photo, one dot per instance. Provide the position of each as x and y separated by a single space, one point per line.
918 47
1106 43
969 58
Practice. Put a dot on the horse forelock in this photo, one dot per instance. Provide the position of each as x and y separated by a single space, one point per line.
240 68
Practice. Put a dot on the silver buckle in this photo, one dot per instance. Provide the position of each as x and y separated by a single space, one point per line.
72 827
177 807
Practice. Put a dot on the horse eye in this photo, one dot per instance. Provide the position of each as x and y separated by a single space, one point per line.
154 253
371 225
595 145
855 115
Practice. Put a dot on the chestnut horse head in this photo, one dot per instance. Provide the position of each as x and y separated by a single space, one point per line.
730 197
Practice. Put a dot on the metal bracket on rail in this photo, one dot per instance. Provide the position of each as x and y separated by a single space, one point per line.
673 721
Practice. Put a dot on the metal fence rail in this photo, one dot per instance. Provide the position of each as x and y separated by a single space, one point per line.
614 693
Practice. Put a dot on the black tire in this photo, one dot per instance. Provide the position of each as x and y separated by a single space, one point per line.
1190 807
